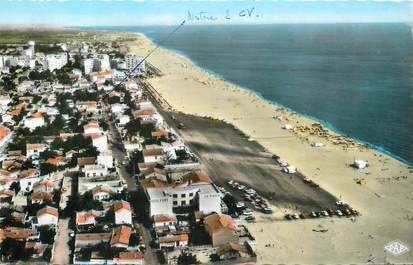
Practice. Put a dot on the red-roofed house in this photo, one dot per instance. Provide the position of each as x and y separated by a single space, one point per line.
221 228
57 161
5 136
153 155
47 216
161 220
120 237
92 127
35 149
43 185
135 258
40 197
144 114
86 219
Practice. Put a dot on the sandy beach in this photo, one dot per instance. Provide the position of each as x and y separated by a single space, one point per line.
385 202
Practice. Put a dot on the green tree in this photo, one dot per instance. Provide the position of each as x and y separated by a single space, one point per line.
187 258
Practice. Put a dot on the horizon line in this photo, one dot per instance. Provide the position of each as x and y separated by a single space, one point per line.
46 26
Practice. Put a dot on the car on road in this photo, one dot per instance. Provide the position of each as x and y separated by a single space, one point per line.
181 125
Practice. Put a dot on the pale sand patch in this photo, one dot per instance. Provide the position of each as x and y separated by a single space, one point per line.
386 202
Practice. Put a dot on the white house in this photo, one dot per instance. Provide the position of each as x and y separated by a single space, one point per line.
143 104
105 159
34 150
160 202
91 128
47 216
34 121
153 155
180 240
164 220
101 193
4 101
27 178
95 171
123 212
100 141
123 120
118 108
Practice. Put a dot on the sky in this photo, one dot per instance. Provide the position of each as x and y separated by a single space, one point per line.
169 12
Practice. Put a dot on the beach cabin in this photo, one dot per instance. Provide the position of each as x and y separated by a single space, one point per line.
360 164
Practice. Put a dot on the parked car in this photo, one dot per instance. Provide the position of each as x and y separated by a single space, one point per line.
324 214
247 212
282 163
289 170
288 217
339 213
313 215
267 210
240 205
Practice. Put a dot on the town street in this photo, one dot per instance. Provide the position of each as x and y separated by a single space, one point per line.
119 154
61 254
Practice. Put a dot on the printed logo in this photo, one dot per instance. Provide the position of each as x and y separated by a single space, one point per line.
396 248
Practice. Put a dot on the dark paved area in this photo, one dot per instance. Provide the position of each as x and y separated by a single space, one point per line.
227 154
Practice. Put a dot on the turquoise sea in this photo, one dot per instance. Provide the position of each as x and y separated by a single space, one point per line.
355 78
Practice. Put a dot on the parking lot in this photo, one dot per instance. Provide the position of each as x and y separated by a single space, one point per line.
227 155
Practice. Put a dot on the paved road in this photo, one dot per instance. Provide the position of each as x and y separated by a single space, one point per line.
150 253
61 254
119 154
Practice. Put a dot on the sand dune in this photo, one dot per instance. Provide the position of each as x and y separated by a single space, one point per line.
385 202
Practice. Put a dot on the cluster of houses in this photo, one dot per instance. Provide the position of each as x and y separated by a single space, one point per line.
55 133
170 176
